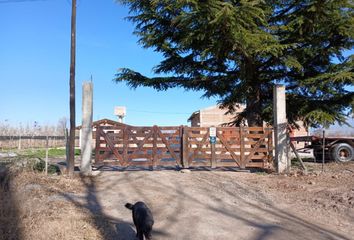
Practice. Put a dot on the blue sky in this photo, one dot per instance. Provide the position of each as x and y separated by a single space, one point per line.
35 59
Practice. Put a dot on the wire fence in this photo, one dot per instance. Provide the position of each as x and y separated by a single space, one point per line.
28 142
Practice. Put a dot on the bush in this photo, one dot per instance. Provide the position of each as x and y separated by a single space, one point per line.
39 166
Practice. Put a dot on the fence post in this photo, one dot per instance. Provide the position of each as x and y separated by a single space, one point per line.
125 145
280 127
154 147
212 146
242 147
46 155
213 157
270 147
19 142
98 144
86 130
185 160
67 147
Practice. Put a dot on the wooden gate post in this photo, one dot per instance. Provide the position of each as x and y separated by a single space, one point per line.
97 148
154 147
185 160
212 146
213 157
270 147
242 147
126 132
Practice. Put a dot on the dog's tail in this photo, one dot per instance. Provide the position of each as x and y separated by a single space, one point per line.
129 206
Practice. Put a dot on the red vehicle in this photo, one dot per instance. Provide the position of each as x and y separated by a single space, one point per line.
340 149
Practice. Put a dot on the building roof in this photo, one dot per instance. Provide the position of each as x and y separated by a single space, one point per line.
240 106
105 121
192 116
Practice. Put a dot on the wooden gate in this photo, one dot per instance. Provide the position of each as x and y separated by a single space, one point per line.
241 147
138 146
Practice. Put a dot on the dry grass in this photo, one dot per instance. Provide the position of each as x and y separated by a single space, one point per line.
37 207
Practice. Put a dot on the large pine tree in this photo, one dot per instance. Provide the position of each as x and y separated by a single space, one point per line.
238 49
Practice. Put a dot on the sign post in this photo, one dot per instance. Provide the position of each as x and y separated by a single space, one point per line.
212 139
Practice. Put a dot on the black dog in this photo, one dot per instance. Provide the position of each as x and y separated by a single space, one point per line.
142 218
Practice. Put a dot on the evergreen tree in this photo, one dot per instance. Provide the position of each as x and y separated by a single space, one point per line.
237 50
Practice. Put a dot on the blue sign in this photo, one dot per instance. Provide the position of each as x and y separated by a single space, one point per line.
212 140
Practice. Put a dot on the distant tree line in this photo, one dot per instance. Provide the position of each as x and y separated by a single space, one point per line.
33 129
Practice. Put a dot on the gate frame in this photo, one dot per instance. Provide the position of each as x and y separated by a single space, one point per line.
155 138
256 141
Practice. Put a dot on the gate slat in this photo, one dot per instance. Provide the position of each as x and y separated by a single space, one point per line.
228 148
111 145
159 133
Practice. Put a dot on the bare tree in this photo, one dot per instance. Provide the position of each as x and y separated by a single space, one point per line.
62 126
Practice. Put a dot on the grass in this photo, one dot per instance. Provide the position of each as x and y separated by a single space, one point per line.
53 152
34 158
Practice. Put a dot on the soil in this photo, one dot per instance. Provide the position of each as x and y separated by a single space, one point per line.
186 204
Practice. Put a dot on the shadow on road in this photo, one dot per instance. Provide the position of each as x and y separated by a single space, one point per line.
110 228
183 205
9 211
236 203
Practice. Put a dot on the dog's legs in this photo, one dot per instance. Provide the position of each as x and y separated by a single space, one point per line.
147 233
140 234
147 236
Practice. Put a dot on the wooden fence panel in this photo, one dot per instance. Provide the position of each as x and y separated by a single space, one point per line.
238 147
138 146
184 146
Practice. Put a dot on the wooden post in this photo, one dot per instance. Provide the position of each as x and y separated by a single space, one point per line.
67 144
154 147
12 141
242 147
212 132
98 144
71 157
31 143
19 142
298 157
185 160
125 145
213 157
180 146
270 147
46 155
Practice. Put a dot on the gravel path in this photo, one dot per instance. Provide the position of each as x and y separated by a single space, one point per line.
200 205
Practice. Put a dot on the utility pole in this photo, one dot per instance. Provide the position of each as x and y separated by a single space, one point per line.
71 160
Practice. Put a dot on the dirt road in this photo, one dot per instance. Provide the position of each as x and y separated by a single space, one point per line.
206 205
186 206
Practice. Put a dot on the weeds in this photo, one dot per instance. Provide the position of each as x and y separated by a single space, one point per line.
53 152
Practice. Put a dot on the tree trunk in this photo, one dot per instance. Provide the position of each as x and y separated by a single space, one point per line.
254 115
253 102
